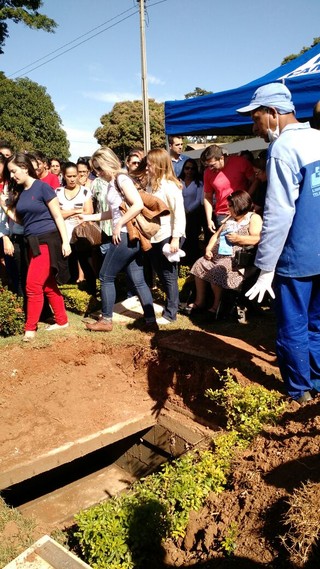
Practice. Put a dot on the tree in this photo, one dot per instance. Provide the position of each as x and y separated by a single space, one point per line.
23 11
303 50
198 92
122 128
28 116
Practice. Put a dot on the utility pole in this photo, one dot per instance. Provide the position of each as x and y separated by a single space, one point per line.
144 79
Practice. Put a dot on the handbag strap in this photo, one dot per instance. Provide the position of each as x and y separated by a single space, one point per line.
118 187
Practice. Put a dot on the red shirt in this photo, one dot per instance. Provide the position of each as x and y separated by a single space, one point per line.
52 180
235 175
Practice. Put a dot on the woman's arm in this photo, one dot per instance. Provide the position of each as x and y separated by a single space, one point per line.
253 238
71 212
11 213
102 216
212 242
8 246
55 211
174 199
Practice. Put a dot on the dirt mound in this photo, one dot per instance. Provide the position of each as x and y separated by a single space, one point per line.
61 391
248 520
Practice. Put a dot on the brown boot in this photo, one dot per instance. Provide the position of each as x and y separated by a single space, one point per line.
100 326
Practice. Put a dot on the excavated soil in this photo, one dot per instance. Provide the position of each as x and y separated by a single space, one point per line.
281 459
65 390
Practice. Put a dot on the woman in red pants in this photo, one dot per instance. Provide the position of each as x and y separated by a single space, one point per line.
36 206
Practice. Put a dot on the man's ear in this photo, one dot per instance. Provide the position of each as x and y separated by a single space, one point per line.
273 112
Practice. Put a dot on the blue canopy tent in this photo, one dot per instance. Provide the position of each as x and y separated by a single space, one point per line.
216 113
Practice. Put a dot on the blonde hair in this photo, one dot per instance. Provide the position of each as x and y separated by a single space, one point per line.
162 166
107 160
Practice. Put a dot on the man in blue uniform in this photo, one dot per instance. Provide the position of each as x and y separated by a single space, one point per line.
289 250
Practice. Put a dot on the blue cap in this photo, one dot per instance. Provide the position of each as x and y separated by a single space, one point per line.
275 95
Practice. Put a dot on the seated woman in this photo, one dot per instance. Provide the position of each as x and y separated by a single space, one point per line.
242 227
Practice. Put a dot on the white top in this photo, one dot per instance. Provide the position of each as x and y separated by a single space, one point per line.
174 224
114 200
77 202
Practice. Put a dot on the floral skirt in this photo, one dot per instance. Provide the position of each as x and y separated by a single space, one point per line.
218 271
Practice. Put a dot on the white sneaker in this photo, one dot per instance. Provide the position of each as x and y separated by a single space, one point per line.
57 327
29 336
164 321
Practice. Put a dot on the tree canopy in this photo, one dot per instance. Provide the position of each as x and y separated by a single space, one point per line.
198 92
122 128
23 11
303 50
28 118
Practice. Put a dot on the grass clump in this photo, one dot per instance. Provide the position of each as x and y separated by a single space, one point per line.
303 521
16 533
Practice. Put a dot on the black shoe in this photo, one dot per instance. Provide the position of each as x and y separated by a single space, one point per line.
193 310
150 327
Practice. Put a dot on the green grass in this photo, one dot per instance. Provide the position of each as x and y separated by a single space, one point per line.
17 533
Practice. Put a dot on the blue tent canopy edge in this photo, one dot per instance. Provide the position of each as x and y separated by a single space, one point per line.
216 113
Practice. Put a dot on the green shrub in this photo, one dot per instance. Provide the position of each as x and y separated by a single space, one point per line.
229 542
76 300
247 409
126 532
11 313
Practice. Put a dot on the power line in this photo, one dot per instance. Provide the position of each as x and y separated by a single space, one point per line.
70 42
82 42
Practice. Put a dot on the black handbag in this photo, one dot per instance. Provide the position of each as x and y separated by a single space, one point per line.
244 257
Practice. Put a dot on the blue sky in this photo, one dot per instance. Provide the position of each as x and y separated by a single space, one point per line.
190 43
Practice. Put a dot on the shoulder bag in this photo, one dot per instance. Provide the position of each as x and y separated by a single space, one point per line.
87 233
244 257
148 220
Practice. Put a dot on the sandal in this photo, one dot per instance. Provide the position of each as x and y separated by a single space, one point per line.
192 309
213 314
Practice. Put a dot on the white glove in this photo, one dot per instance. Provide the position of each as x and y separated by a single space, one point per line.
262 286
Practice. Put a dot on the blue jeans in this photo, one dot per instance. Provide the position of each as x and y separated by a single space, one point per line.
124 256
168 275
297 308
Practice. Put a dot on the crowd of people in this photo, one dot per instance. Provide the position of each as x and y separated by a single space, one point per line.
34 189
212 212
